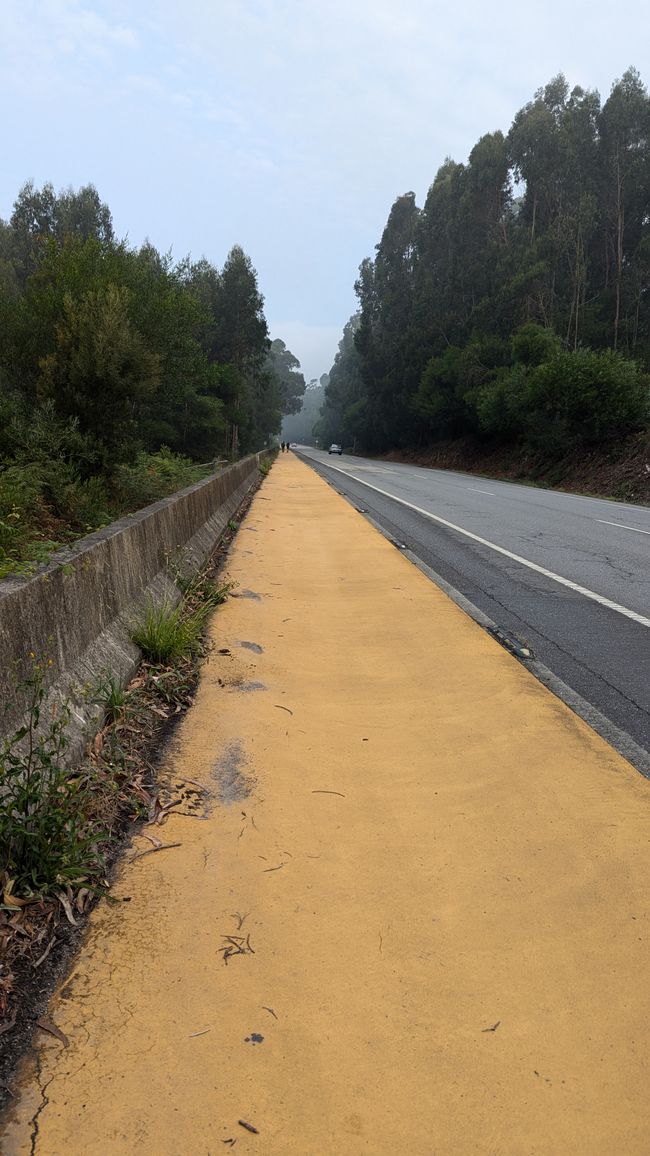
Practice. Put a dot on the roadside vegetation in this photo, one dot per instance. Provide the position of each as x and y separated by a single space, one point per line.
512 311
123 375
62 827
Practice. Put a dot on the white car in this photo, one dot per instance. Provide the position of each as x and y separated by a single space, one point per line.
334 449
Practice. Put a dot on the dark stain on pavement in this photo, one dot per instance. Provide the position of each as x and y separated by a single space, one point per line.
232 784
252 646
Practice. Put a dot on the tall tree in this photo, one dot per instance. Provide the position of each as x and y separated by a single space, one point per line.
384 339
625 144
241 340
284 367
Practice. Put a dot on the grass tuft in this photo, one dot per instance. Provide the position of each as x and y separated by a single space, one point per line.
166 633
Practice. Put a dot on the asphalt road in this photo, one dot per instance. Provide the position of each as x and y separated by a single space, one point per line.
567 575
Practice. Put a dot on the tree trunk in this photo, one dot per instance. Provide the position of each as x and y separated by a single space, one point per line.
619 247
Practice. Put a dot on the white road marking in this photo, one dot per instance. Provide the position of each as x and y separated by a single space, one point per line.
577 589
623 527
475 491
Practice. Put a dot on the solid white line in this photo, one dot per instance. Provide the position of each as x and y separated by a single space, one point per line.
623 527
475 491
602 601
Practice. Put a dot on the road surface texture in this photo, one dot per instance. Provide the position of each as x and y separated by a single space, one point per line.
410 914
601 651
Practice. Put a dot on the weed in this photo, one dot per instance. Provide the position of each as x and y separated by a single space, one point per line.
201 589
166 633
47 839
113 697
233 525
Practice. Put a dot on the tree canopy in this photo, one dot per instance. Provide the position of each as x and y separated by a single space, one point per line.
138 351
119 366
541 240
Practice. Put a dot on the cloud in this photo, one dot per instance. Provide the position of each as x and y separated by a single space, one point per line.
39 40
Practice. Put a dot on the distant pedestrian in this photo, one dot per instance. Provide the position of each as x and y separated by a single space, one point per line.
282 447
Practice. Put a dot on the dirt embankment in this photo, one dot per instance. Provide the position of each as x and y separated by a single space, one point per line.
620 471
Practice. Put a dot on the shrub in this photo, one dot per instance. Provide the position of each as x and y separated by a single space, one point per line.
20 506
47 837
153 476
570 400
583 398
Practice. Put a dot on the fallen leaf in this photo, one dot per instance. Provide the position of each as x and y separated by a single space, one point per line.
66 905
47 951
163 813
80 901
47 1026
13 900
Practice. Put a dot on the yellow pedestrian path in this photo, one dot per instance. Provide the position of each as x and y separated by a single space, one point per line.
414 918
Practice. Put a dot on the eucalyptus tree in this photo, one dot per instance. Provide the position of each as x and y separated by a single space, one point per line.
625 156
385 291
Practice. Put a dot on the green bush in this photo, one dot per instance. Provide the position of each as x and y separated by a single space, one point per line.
153 476
47 837
583 398
20 506
573 399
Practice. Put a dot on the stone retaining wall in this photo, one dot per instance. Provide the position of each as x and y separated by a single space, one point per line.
76 613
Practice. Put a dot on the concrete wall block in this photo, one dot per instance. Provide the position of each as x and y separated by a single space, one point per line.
78 611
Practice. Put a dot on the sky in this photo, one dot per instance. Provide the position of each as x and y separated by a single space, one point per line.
286 126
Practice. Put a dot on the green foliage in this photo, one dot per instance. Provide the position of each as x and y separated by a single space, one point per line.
166 633
265 465
100 371
583 398
109 354
152 476
285 369
532 344
535 252
47 838
201 590
571 400
113 697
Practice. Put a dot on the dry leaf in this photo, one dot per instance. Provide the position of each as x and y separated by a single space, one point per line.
12 900
47 1026
80 901
164 811
67 907
47 951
